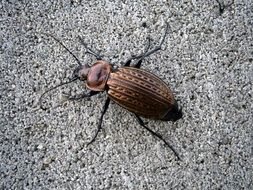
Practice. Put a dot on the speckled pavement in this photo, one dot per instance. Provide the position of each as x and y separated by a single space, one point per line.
206 60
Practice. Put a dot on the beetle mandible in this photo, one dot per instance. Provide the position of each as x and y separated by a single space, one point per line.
136 90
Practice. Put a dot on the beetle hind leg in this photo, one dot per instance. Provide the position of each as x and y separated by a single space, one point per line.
89 50
140 121
105 107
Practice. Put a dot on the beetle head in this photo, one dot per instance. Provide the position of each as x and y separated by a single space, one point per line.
98 75
81 72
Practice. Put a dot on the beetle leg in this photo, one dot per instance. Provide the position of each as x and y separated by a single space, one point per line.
83 95
221 7
140 121
139 62
148 53
138 65
127 64
156 48
106 105
89 50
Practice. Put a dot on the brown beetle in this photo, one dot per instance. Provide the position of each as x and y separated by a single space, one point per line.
134 89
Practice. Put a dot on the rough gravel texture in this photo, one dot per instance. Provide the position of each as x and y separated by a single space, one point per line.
206 60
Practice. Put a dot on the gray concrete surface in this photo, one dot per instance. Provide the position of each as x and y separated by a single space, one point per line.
206 59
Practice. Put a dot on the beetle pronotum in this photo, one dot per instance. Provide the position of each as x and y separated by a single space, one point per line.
134 89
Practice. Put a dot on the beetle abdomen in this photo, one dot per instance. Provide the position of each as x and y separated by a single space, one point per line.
140 92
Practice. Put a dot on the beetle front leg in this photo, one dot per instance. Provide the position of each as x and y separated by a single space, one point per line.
105 107
140 121
83 95
89 50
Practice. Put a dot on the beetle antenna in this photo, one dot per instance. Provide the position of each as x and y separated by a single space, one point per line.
40 102
57 40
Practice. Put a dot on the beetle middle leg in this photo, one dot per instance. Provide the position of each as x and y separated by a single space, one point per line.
89 50
105 107
146 52
127 64
140 121
139 62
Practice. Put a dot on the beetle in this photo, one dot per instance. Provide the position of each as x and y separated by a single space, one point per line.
136 90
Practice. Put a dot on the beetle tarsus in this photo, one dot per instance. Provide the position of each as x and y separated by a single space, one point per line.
140 121
105 107
89 50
